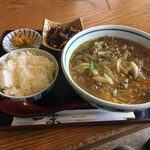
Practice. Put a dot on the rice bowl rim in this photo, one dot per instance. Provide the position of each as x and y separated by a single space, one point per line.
37 51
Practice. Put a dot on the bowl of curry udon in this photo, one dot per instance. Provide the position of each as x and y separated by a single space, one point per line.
109 66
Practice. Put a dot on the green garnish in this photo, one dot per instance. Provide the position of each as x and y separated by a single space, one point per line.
135 57
25 46
71 61
82 51
91 67
96 65
119 55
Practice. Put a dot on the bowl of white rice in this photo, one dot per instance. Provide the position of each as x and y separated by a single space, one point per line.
27 74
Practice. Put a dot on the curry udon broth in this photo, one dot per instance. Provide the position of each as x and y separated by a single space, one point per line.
113 69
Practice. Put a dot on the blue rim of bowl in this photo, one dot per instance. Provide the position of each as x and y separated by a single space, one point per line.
111 29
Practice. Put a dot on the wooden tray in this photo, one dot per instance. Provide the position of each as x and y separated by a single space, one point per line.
62 97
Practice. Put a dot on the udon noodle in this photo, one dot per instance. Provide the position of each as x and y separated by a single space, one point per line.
113 69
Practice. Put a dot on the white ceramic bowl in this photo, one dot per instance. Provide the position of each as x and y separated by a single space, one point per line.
9 46
95 32
42 93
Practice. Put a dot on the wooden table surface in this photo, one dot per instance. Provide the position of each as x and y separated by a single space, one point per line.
30 14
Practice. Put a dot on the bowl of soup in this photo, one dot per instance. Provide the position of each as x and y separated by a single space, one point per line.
109 66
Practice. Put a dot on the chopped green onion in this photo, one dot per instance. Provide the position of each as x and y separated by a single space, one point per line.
82 51
71 61
134 57
25 46
96 65
91 67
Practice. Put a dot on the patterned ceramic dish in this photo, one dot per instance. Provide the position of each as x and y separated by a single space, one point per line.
8 44
76 24
132 34
42 93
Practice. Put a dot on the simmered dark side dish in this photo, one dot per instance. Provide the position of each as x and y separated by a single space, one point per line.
58 36
113 69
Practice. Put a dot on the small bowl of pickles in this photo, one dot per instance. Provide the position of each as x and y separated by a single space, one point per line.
21 38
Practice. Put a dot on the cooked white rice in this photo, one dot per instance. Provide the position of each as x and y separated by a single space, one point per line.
25 74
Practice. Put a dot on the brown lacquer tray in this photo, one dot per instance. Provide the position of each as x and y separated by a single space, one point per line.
61 97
